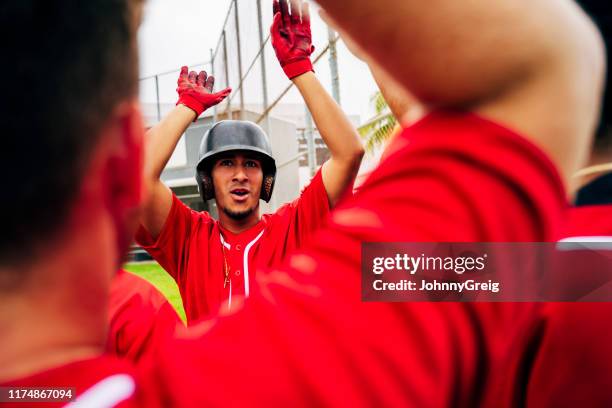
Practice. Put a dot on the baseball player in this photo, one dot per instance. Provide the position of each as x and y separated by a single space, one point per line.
138 314
214 262
310 340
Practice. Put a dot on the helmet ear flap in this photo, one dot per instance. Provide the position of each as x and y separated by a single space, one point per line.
207 185
268 186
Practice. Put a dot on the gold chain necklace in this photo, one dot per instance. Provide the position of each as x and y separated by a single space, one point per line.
226 267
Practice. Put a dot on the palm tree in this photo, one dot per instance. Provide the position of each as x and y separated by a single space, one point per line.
378 129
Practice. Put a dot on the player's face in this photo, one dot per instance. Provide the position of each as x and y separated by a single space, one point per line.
237 178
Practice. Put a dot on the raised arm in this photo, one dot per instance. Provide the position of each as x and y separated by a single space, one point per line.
337 132
195 96
494 58
292 41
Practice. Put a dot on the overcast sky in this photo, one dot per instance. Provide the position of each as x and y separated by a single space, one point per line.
174 33
179 32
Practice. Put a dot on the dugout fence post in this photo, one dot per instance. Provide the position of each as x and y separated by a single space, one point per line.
333 64
225 67
262 59
212 72
309 133
157 98
239 50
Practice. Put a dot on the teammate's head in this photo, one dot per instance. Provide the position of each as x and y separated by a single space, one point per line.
237 178
601 12
236 168
68 112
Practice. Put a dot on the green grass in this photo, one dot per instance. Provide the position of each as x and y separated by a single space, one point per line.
152 272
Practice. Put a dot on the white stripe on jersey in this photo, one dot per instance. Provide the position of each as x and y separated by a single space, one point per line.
581 243
107 393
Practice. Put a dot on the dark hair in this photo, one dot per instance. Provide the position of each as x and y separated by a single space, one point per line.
66 65
601 13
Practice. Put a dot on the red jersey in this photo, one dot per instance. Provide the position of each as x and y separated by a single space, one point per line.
304 337
139 316
197 251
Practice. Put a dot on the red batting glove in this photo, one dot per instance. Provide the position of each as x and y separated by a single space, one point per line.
196 91
291 37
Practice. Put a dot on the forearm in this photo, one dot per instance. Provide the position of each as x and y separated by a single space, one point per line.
336 130
163 138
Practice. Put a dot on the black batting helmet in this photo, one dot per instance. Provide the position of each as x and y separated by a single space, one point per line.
233 135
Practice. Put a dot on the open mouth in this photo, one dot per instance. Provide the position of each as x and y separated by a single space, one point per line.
239 194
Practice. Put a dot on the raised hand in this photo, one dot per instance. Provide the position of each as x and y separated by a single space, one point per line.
291 37
196 91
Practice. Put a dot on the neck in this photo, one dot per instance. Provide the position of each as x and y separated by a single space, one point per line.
44 326
58 313
238 226
34 340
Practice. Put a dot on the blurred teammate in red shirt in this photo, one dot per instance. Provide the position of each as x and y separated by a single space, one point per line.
139 316
304 337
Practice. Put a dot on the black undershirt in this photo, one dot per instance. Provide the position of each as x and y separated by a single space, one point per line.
597 192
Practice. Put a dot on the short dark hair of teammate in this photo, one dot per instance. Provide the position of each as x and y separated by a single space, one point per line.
66 65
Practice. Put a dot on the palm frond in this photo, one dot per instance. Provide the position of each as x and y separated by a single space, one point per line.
379 102
376 131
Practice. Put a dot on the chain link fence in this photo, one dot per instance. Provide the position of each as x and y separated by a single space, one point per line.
244 60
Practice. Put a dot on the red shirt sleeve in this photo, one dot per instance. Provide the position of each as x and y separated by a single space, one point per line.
293 224
311 209
171 248
305 336
140 316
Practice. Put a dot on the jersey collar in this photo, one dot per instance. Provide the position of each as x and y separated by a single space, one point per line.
230 239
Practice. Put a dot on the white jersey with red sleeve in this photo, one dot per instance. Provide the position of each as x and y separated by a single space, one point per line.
213 266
